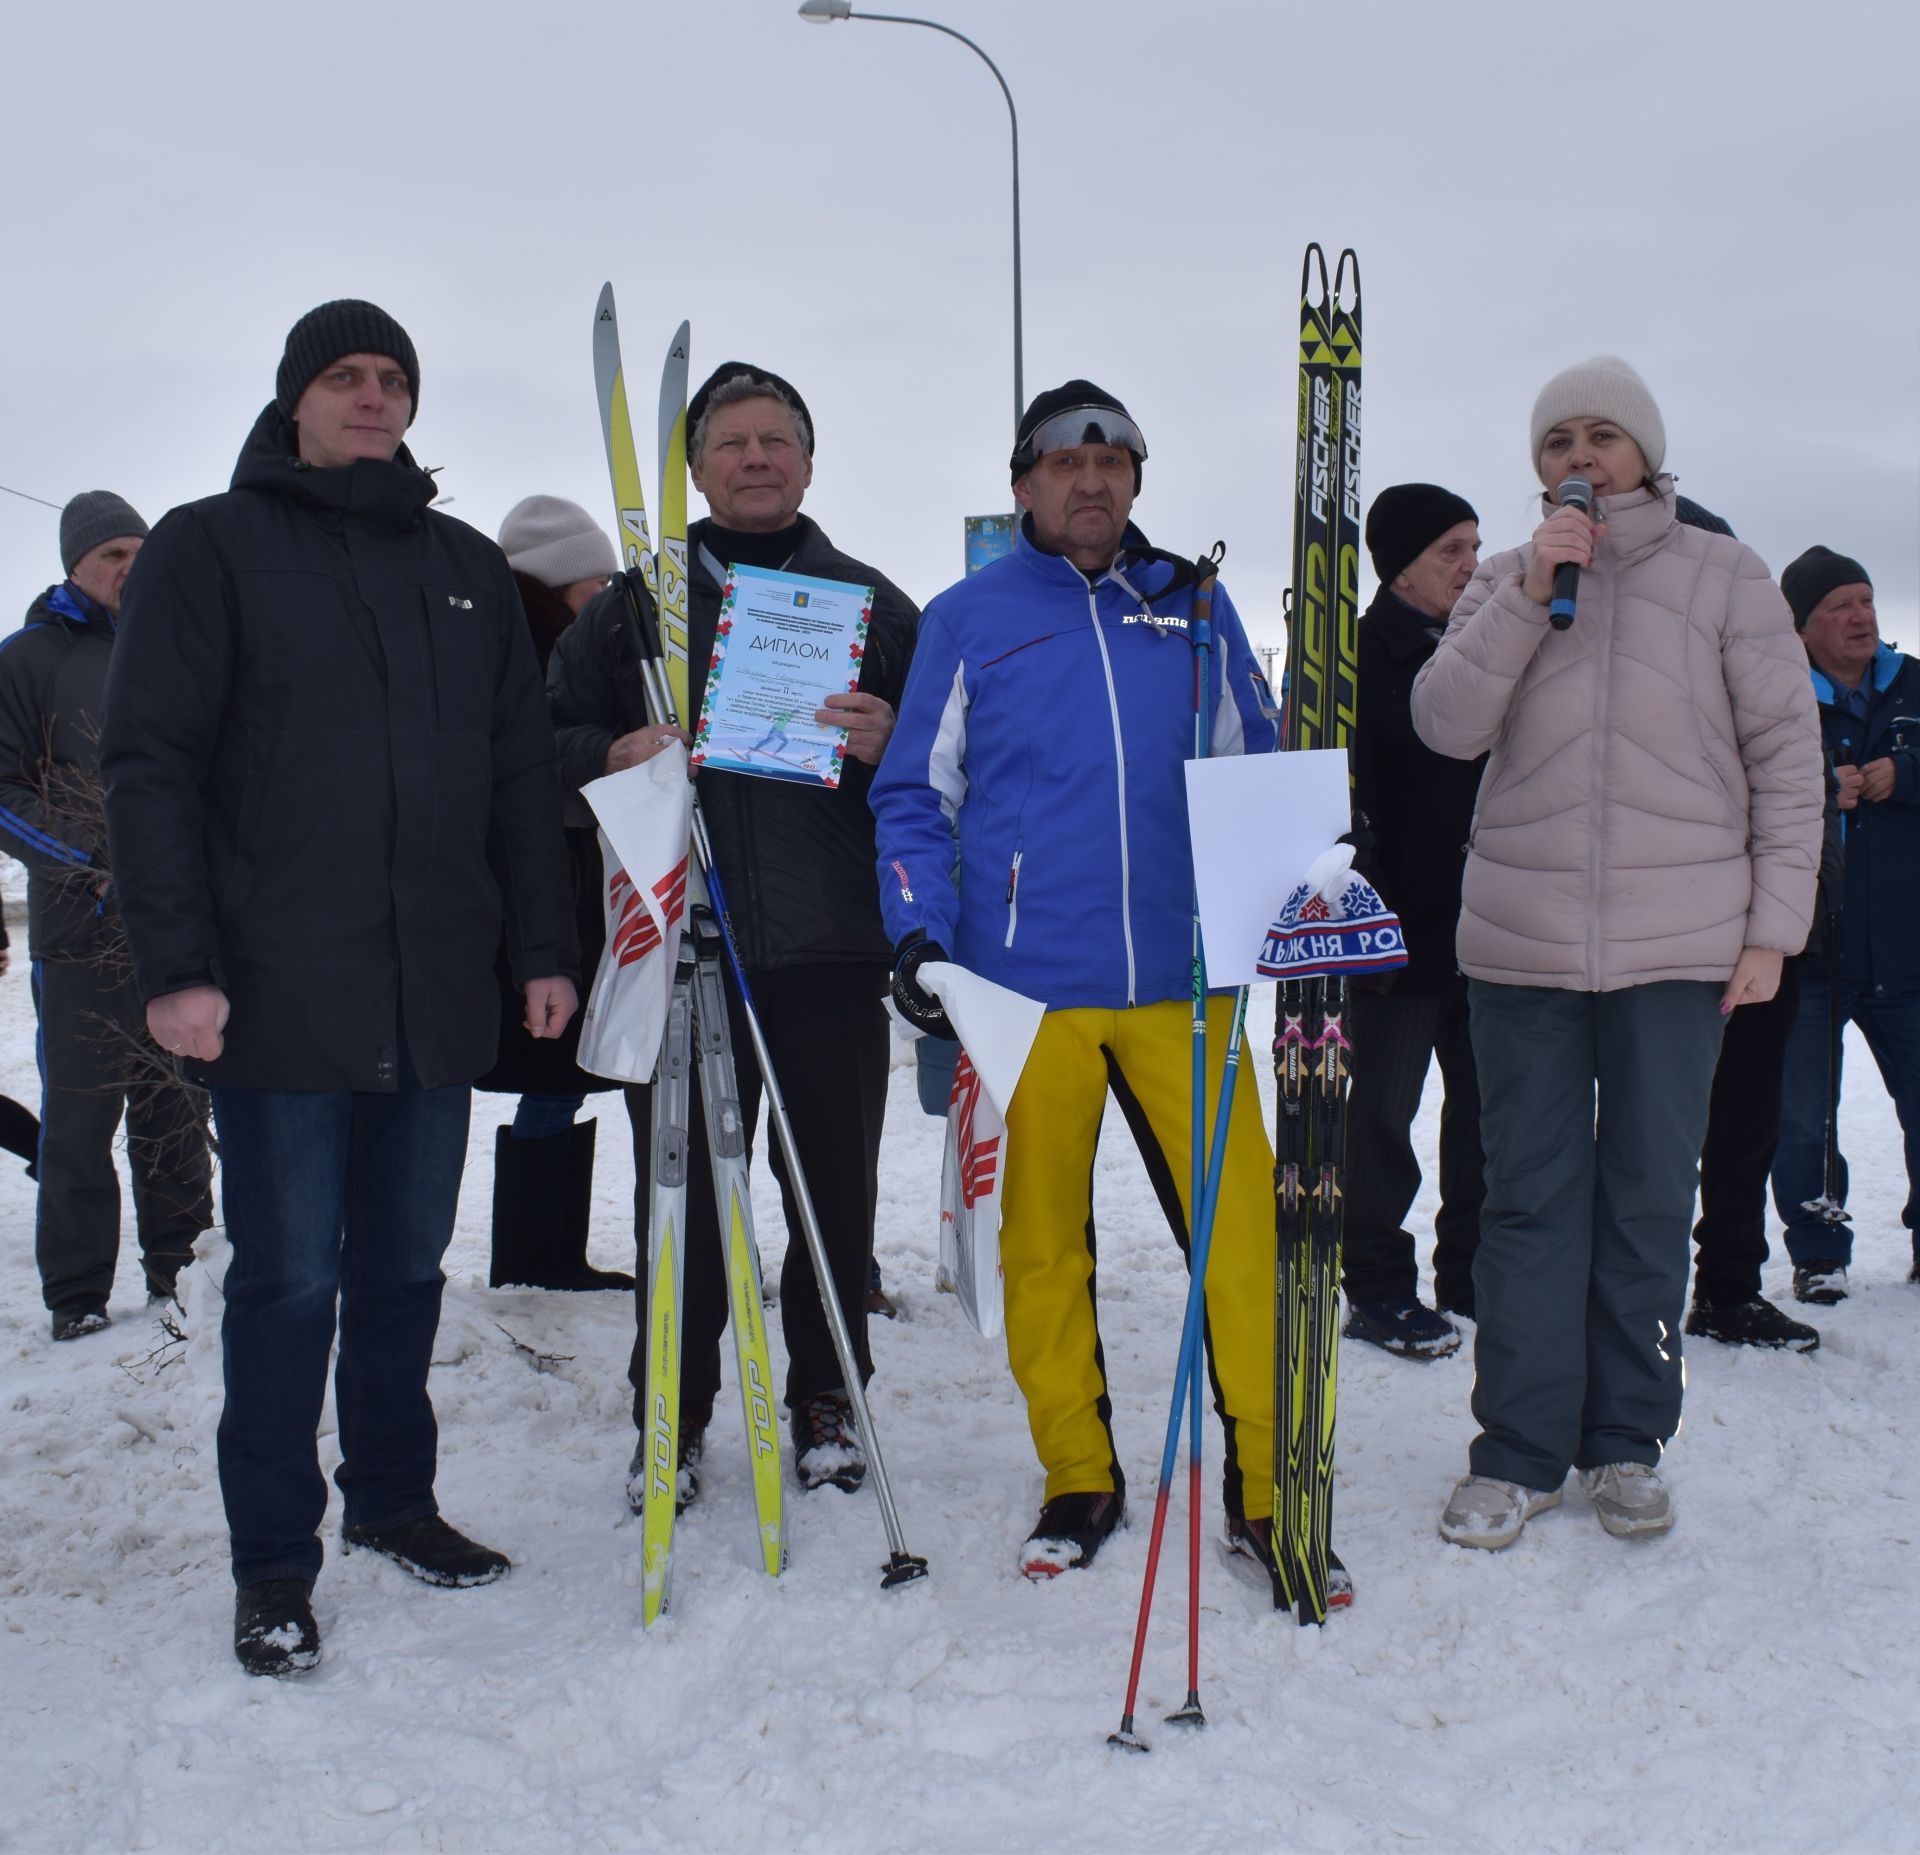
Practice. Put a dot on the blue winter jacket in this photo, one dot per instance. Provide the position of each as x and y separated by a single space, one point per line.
1044 726
1877 925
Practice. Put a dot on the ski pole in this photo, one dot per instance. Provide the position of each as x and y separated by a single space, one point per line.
1186 1380
1200 637
1828 1207
902 1567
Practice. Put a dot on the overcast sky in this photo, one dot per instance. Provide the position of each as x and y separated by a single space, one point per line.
1721 192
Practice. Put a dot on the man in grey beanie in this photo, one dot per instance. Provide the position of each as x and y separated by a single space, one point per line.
53 674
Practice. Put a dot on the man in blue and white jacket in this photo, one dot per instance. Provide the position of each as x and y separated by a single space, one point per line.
1046 717
1869 696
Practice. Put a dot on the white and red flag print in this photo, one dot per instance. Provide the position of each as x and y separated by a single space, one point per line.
997 1028
646 815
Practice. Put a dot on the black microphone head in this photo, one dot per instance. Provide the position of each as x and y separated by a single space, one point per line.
1574 493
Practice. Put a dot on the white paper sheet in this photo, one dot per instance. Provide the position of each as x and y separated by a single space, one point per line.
1257 821
997 1026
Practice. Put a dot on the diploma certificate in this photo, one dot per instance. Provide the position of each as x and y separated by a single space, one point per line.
783 644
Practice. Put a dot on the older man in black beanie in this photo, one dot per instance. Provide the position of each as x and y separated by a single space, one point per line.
1869 697
1418 806
330 782
796 864
53 675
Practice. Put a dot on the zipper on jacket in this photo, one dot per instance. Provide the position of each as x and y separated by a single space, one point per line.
1013 896
1120 778
1597 823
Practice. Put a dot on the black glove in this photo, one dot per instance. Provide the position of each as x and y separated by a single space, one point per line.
917 1005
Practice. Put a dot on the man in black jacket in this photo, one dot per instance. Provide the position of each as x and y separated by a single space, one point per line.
1743 1121
53 675
796 864
328 766
1425 543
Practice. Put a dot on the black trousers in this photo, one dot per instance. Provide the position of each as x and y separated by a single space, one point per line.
87 1024
1394 1039
826 1028
1743 1128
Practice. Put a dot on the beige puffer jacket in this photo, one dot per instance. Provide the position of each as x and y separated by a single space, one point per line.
1653 800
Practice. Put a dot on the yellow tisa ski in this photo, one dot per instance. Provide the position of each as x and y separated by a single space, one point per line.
671 591
696 1030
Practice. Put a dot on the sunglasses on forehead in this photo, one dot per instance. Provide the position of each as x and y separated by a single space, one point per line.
1081 425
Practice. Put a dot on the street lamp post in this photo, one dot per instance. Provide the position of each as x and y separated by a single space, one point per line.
824 13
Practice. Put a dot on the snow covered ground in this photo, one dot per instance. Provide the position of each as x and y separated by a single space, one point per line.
1748 1683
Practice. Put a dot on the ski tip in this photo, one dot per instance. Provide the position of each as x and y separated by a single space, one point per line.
1349 261
603 309
1315 260
903 1568
1126 1739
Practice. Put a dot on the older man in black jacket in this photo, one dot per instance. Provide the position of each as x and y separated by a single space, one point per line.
797 867
328 766
1425 543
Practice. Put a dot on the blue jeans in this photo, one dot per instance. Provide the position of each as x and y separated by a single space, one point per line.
539 1116
934 1061
334 1201
1890 1022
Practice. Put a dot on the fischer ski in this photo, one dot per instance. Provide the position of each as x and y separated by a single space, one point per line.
1312 1055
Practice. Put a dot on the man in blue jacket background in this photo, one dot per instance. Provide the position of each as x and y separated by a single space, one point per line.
1868 694
1046 717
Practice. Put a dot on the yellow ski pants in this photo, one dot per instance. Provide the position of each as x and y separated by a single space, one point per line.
1145 1055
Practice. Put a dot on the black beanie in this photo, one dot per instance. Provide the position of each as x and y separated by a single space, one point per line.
745 370
1408 518
1063 399
346 326
1813 576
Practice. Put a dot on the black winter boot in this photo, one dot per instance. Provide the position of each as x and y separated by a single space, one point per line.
543 1210
273 1628
432 1551
1071 1530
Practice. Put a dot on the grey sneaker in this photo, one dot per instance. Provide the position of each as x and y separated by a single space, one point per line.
1489 1514
1630 1498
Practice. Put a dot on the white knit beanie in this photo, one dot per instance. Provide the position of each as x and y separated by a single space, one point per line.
1602 388
556 542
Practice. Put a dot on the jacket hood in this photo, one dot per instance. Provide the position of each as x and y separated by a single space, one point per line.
66 603
393 493
1885 667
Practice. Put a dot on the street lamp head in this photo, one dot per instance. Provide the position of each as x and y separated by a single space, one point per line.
825 12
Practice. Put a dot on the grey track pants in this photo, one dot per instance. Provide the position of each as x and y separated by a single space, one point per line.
1581 1274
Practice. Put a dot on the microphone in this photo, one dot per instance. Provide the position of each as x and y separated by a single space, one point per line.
1573 493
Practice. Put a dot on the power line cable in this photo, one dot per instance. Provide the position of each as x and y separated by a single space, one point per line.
24 497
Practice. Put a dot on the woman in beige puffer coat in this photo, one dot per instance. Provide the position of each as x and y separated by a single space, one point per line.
1643 857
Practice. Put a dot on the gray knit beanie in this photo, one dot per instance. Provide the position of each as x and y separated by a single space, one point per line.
92 518
556 542
1602 388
